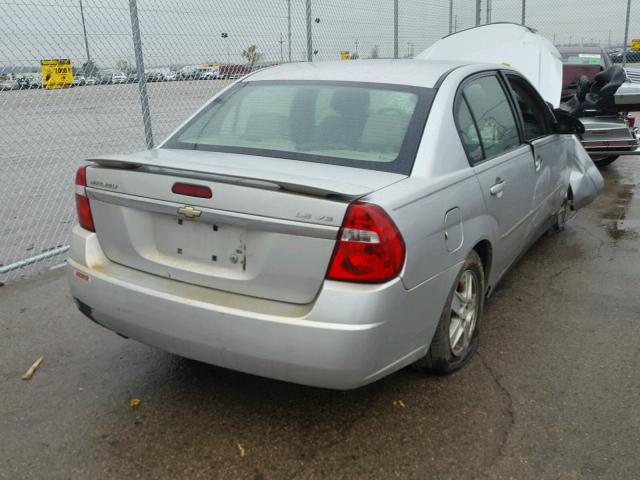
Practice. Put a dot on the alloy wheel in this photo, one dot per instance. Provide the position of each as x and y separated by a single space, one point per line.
464 313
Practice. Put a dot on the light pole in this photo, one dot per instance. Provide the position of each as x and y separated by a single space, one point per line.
626 34
289 27
142 82
225 35
84 31
395 29
309 33
281 42
478 12
450 17
524 12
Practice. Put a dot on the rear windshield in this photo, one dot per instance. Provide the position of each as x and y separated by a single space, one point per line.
582 59
374 126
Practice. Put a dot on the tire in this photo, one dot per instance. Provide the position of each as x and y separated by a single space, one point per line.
562 215
443 358
604 161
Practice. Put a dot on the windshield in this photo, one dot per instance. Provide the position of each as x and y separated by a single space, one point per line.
374 126
583 59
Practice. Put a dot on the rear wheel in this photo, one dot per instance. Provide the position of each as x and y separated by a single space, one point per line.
604 161
562 215
456 337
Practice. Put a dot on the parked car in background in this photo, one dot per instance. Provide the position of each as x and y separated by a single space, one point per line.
328 223
590 81
171 76
79 80
578 61
24 83
35 80
617 55
208 73
91 81
9 84
119 77
105 76
187 73
154 76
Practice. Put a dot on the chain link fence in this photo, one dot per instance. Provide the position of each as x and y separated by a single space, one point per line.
141 67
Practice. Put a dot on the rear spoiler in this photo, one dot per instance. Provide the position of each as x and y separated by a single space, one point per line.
266 178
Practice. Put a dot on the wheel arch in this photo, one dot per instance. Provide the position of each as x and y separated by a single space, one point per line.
484 249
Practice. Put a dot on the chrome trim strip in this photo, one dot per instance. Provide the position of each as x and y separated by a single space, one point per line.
519 224
613 151
212 216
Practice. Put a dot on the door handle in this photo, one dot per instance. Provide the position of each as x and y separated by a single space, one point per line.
538 162
497 190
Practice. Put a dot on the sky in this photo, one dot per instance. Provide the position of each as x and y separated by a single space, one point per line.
180 32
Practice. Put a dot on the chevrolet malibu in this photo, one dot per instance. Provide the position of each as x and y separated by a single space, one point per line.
327 224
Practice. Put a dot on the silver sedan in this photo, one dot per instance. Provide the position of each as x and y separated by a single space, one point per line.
328 224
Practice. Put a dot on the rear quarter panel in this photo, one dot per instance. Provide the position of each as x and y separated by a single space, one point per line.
440 181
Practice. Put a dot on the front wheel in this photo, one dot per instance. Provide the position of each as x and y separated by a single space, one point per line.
456 337
604 161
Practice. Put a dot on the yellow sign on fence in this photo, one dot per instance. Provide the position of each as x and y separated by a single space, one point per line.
345 55
635 44
56 73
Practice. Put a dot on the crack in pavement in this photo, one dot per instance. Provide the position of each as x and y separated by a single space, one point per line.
598 254
510 409
595 237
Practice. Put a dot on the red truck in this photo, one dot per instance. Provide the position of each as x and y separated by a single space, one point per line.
230 71
578 61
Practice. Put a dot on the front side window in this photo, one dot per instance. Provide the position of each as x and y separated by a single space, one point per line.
345 123
531 107
493 115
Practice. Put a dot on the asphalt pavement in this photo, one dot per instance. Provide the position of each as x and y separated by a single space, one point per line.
552 394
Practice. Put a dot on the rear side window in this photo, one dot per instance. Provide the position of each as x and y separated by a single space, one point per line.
364 125
468 132
494 119
531 107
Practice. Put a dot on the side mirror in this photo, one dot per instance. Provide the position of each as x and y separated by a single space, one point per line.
566 123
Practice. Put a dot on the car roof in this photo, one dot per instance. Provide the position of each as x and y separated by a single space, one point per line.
418 73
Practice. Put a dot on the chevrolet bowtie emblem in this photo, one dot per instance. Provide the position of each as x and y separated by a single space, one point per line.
189 212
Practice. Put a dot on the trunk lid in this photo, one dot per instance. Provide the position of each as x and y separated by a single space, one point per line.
267 231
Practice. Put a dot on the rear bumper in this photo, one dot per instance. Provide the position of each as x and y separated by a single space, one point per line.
623 142
349 336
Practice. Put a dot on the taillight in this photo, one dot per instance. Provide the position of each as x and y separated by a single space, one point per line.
85 219
632 120
370 249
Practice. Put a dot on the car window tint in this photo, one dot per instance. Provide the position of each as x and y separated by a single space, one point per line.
348 124
496 124
257 116
531 107
468 132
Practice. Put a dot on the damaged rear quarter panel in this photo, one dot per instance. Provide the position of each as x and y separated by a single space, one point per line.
585 178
